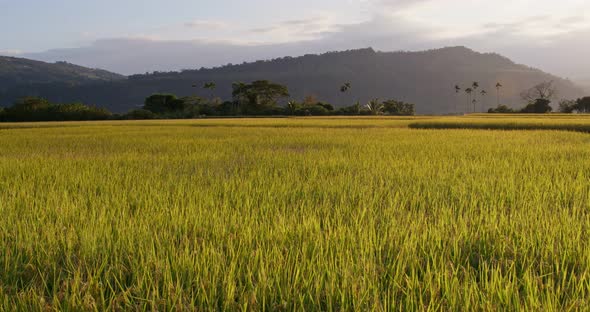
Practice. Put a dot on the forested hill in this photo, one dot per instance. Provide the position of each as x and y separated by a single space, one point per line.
19 71
425 78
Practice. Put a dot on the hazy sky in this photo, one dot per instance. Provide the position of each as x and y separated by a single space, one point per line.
139 35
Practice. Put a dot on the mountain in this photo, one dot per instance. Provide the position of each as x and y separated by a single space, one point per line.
19 71
425 78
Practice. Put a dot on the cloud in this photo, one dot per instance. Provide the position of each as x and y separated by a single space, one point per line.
298 29
206 24
554 42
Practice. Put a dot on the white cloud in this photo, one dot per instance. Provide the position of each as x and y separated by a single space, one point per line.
536 32
207 24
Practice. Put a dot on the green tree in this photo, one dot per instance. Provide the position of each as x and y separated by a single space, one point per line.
375 107
567 106
539 106
163 103
398 108
583 105
139 114
211 86
501 109
259 95
292 107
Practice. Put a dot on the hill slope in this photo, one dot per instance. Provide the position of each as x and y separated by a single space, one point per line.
425 78
19 71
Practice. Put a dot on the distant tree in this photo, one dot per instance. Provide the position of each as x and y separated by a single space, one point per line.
583 105
474 87
357 107
350 110
345 87
313 110
139 114
375 107
259 95
292 107
329 107
163 103
457 91
398 108
539 106
483 96
311 106
211 87
567 106
498 87
31 103
542 91
468 91
501 109
28 109
310 100
39 109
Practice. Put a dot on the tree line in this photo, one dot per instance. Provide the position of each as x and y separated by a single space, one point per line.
39 109
538 100
258 98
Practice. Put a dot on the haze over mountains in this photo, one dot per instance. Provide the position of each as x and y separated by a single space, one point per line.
425 78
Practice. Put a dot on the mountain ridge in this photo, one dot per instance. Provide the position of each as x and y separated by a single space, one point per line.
426 78
18 71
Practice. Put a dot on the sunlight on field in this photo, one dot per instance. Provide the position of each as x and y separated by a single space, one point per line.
295 213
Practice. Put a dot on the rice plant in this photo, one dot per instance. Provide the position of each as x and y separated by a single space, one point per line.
293 214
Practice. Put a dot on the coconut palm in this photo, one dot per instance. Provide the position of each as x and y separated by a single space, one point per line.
498 87
375 107
474 86
468 91
357 107
483 94
345 87
211 87
457 90
292 107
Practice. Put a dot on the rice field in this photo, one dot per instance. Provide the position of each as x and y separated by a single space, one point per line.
353 214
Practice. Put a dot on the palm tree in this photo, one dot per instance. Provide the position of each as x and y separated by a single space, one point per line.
357 107
474 86
468 91
457 90
345 87
210 86
375 107
292 107
498 87
483 94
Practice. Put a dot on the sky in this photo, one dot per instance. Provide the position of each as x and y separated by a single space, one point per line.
135 36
